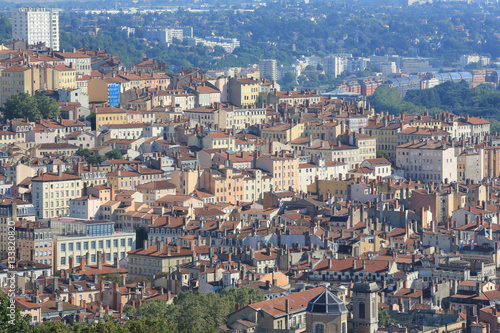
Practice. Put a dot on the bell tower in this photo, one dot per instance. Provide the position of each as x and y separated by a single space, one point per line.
365 307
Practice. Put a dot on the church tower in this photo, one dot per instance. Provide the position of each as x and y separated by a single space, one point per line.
365 307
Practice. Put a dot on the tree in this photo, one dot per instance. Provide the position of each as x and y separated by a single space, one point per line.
90 156
21 106
113 277
13 321
288 82
93 122
384 318
383 154
48 107
114 154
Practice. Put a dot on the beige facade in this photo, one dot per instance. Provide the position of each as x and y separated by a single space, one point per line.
429 160
51 193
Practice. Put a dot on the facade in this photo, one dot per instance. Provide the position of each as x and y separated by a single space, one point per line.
429 160
268 69
36 25
326 313
52 193
365 307
243 92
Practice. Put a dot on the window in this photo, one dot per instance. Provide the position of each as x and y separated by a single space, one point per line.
130 242
101 244
319 328
108 243
63 247
362 310
92 245
70 247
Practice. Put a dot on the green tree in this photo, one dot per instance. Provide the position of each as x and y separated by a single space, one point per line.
21 106
288 82
113 277
13 321
383 154
114 154
90 156
48 107
384 318
93 122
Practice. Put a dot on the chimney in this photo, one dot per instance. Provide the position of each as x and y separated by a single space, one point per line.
99 262
287 305
71 262
82 264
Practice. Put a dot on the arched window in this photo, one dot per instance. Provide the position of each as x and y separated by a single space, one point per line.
319 328
361 310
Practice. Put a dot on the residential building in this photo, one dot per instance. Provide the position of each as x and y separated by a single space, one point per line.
35 26
52 192
268 69
77 239
429 160
243 92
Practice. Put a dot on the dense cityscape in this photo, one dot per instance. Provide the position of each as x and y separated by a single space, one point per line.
248 167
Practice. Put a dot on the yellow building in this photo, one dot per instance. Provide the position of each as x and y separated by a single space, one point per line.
336 188
18 79
243 92
62 77
156 259
387 136
51 193
283 133
186 181
110 115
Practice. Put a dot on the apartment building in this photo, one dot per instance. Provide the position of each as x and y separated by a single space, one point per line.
268 69
283 132
80 62
471 164
18 79
293 97
52 192
284 169
12 210
74 238
243 92
157 259
227 184
110 115
154 190
428 160
34 243
36 25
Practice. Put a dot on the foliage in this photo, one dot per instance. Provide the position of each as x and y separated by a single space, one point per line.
21 106
48 107
93 120
114 154
193 310
90 156
384 318
34 108
383 154
458 97
288 81
13 322
389 99
113 277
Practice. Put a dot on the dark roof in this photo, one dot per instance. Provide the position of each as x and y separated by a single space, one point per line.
327 302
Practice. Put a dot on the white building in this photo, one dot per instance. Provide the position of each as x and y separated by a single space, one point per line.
36 25
268 69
